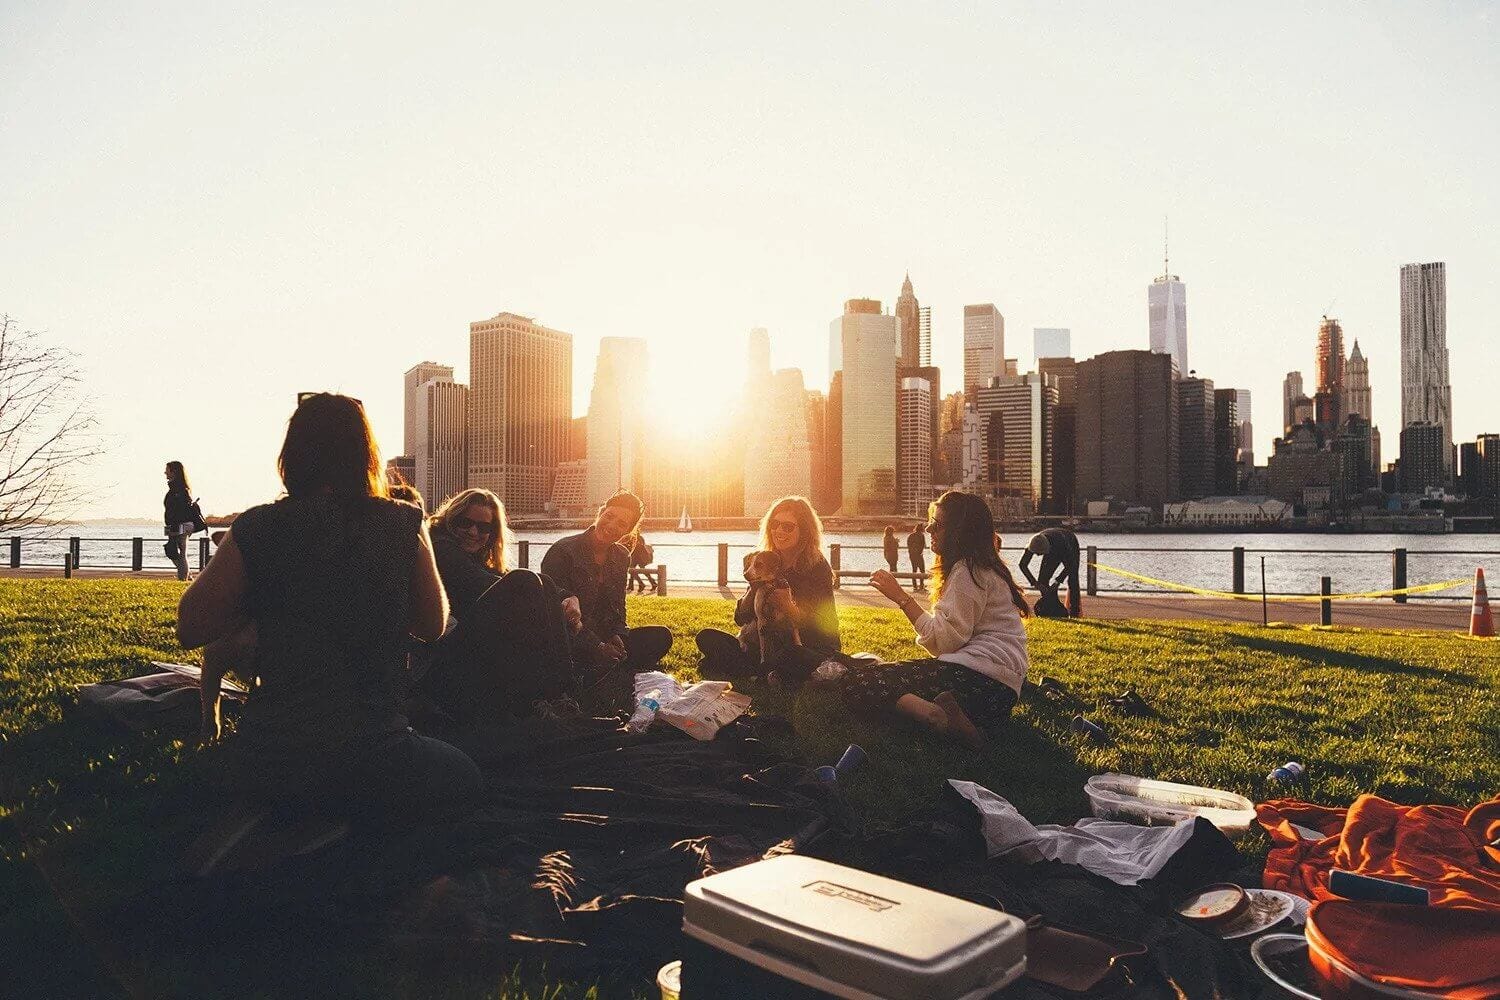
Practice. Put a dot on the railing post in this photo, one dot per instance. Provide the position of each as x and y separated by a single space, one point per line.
723 564
661 580
523 553
202 553
67 565
75 547
835 551
15 553
1092 576
1239 569
1325 605
137 553
1398 574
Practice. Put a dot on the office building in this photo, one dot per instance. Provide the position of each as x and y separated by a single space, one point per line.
616 417
570 489
924 342
1357 384
441 462
1166 308
909 322
1426 396
1197 459
1226 438
401 469
1126 441
864 343
520 408
417 376
1246 443
705 482
1422 449
1329 399
984 345
815 409
1064 372
1486 474
1291 393
1016 416
914 461
1052 342
832 497
778 460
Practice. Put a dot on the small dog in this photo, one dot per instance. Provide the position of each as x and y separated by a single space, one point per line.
774 629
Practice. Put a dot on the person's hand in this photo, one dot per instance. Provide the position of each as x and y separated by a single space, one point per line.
572 614
208 729
618 644
889 587
608 653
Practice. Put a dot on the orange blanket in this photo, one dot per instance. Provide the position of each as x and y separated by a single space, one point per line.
1453 854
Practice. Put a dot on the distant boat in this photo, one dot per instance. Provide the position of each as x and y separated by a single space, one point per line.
685 523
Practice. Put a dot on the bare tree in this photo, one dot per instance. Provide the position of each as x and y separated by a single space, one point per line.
47 429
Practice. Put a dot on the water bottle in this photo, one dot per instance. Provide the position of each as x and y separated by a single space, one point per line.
1287 774
645 713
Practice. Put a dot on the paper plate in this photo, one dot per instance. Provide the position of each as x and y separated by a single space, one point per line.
1268 907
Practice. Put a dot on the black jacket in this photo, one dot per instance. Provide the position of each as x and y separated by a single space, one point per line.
600 589
817 615
464 577
179 509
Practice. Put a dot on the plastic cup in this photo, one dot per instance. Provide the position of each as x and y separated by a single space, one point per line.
669 981
826 774
1087 728
852 760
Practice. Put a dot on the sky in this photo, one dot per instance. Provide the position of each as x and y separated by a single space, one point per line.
218 205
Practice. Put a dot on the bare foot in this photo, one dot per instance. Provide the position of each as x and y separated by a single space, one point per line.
960 726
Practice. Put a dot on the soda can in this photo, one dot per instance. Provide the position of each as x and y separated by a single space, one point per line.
1087 728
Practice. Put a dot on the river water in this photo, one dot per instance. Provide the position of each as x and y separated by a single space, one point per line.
1293 562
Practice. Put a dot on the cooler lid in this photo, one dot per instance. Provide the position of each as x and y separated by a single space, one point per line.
851 918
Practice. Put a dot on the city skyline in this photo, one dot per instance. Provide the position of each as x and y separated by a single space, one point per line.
198 206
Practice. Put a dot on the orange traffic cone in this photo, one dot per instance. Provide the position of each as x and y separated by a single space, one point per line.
1481 623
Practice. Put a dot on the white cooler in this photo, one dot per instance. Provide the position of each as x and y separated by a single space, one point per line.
799 927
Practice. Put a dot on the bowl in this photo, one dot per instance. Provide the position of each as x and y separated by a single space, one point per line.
1282 958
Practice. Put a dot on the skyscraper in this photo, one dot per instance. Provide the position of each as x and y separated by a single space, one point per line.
1246 441
1227 468
816 409
1064 371
418 375
1329 400
520 408
1291 393
1197 456
1166 307
909 319
914 462
616 417
984 346
1016 414
441 454
1426 396
863 341
1052 342
1422 447
924 340
1126 442
778 461
1357 384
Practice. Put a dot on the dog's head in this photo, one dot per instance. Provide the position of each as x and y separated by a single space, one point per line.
762 567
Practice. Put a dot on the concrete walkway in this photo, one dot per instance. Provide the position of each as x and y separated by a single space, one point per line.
1442 616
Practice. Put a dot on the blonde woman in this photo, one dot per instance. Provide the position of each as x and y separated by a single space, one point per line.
792 530
509 647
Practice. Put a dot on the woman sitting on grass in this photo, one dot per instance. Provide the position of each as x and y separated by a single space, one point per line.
973 632
314 596
509 649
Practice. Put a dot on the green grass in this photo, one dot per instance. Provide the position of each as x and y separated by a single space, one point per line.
1411 716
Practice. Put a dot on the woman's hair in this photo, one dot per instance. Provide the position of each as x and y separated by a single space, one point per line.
809 530
969 537
458 504
329 447
177 477
890 532
627 501
406 493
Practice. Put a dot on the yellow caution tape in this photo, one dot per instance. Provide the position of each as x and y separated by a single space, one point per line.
1424 588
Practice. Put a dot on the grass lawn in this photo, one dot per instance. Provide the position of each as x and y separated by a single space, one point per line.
1414 717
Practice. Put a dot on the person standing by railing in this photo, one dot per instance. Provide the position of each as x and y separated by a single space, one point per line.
916 551
182 517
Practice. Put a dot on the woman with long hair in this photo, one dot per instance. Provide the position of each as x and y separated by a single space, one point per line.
892 549
973 632
179 517
791 529
312 598
509 647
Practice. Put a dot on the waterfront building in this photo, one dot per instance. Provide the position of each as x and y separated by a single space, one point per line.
1426 396
934 379
1422 448
909 323
1227 512
1016 418
1358 466
778 461
1330 394
1228 466
924 326
984 345
1166 308
616 417
1291 394
864 341
578 438
1064 372
1197 456
833 448
1246 444
914 460
570 489
520 408
1051 342
1357 384
417 376
1487 470
1300 461
442 456
707 482
1126 439
815 410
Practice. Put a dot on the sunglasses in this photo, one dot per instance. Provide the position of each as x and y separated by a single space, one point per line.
783 525
462 524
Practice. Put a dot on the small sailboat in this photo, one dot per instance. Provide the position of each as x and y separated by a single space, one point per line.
685 523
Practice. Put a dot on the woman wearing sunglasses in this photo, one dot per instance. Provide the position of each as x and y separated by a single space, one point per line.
790 529
509 647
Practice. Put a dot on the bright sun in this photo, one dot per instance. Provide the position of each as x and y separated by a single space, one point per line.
690 399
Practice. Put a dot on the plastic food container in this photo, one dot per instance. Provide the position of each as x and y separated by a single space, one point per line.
669 981
1164 803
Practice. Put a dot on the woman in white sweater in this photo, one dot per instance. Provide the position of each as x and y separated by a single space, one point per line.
973 632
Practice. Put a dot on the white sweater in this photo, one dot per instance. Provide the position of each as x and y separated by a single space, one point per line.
975 624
